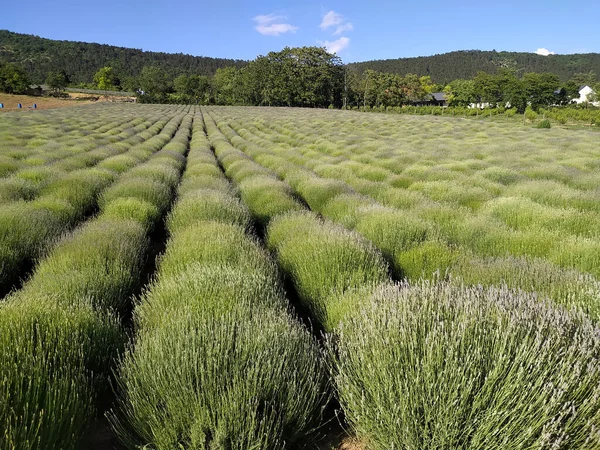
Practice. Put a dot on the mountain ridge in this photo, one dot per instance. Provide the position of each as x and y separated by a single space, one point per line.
38 56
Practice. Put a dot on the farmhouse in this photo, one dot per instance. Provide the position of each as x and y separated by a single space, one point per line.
439 99
585 92
433 99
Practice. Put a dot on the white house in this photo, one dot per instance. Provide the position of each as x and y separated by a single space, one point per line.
584 92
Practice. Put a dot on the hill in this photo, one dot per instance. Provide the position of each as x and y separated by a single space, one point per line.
81 60
465 64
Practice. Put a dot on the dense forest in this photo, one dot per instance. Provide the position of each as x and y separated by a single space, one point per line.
466 64
81 60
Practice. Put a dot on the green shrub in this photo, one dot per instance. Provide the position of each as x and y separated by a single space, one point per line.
153 192
262 383
323 260
430 259
54 366
102 261
530 114
392 231
15 188
25 232
318 191
267 197
568 287
345 208
452 367
211 242
207 204
545 123
130 208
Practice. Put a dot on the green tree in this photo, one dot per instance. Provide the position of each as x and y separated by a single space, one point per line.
193 88
540 89
227 86
106 79
13 79
512 90
460 93
487 88
57 81
302 76
154 85
584 79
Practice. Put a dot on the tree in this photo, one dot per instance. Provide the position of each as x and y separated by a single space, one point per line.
487 88
226 82
193 88
57 81
460 93
413 88
13 79
540 89
301 76
154 85
106 79
512 90
584 79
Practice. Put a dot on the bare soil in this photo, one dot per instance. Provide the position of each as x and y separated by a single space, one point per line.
11 101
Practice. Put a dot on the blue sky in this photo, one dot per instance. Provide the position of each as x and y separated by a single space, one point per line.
357 30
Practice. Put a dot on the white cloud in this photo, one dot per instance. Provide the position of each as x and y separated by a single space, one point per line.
544 52
271 25
344 27
337 45
333 19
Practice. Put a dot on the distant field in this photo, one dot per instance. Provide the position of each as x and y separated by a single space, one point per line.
245 271
11 101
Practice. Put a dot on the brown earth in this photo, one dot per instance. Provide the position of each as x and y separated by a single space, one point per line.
100 437
11 101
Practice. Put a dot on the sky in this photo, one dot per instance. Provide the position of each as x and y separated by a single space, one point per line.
355 30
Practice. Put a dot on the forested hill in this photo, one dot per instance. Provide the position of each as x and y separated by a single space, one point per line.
465 64
81 60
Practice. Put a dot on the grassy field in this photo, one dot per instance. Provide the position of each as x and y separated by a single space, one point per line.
264 278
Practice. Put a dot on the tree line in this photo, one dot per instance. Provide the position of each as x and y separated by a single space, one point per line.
312 77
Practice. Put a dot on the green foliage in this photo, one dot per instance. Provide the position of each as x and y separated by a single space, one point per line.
540 88
193 88
54 363
430 365
530 114
57 81
302 76
106 79
460 93
154 84
544 123
465 64
13 79
324 261
27 50
219 362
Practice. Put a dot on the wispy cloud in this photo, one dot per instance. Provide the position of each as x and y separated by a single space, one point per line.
272 25
336 46
333 19
544 52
